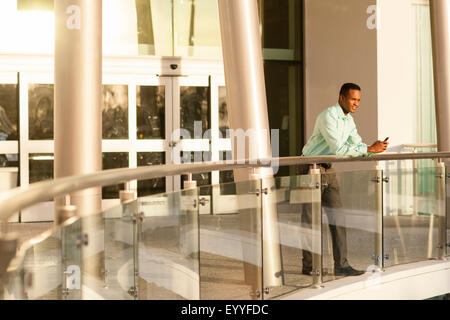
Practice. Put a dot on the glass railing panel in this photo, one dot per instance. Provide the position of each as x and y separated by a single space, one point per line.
351 222
230 241
413 208
48 267
109 253
447 201
168 247
291 233
72 262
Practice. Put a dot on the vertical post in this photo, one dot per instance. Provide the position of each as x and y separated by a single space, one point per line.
316 225
440 209
127 194
378 227
440 30
78 113
78 95
247 109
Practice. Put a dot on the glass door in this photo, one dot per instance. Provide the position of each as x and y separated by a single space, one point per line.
146 120
9 136
191 135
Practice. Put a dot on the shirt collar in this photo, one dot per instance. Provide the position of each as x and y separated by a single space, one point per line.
341 113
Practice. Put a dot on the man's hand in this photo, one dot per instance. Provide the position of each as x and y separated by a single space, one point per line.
378 146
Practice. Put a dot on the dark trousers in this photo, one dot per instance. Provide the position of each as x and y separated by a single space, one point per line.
331 201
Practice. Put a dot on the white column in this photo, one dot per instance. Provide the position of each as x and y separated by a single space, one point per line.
247 109
440 28
78 96
78 117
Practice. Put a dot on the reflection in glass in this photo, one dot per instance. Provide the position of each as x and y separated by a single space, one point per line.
9 160
195 108
203 179
349 220
225 176
8 112
151 186
150 104
230 243
40 108
169 247
410 227
281 29
113 160
197 28
224 122
115 112
40 167
284 105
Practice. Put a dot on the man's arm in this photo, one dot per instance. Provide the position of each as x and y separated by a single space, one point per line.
353 146
376 147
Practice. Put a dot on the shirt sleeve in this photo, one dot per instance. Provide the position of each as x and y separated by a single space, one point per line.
352 147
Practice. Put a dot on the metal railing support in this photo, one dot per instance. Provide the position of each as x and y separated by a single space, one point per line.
316 225
65 211
378 226
441 209
127 194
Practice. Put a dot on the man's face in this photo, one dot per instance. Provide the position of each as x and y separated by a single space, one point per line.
350 103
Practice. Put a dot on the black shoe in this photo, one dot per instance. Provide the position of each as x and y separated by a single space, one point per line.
347 271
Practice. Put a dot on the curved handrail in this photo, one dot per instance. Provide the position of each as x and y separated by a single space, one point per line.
16 199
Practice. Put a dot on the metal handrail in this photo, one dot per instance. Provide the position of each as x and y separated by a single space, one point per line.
16 199
420 145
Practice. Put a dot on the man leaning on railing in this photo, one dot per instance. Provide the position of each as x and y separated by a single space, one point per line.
335 134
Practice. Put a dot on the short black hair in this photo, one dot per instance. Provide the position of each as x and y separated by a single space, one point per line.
345 89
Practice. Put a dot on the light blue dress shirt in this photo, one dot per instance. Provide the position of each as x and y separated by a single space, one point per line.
335 134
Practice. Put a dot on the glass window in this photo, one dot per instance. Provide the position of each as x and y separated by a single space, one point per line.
115 112
33 27
195 110
114 160
40 111
284 103
8 112
23 5
224 122
40 167
150 104
147 27
9 160
197 28
281 29
151 186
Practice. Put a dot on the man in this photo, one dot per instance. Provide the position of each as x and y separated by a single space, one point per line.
335 134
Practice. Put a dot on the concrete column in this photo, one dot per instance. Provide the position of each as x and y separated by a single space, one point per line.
78 113
78 95
247 110
440 29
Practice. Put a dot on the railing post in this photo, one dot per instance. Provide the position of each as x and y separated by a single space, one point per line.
441 209
189 242
316 225
378 227
127 194
65 211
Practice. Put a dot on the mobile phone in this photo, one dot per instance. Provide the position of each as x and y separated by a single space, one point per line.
386 139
